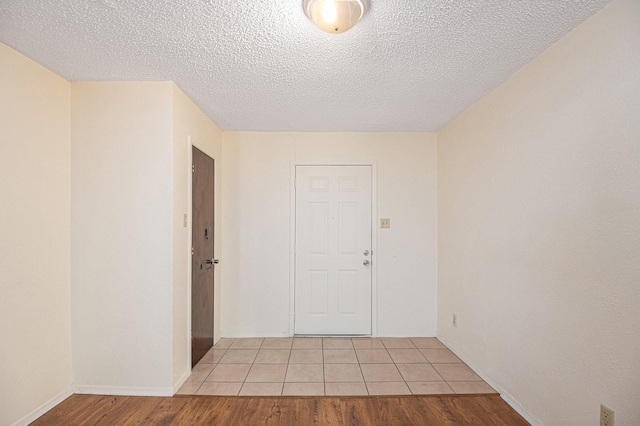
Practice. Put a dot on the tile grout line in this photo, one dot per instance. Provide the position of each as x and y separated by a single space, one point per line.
360 367
211 372
288 363
250 367
324 378
215 364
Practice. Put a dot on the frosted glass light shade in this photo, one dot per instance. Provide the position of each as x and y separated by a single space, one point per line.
335 16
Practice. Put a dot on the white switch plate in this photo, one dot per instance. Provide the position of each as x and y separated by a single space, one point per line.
185 220
385 223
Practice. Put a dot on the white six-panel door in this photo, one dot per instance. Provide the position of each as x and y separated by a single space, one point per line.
333 250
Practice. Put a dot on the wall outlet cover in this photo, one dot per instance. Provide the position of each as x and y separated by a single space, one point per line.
606 416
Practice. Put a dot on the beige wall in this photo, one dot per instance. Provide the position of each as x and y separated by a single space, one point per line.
122 149
539 227
35 371
190 127
257 226
121 237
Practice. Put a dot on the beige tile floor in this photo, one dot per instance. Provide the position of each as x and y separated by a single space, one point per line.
332 366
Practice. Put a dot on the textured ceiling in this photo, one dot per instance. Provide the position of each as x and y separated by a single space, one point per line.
409 65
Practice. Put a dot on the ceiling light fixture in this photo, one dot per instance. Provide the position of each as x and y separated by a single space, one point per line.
335 16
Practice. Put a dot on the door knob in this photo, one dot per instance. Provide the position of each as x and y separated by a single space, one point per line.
366 262
212 261
366 253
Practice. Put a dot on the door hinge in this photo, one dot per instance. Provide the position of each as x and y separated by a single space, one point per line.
191 251
193 168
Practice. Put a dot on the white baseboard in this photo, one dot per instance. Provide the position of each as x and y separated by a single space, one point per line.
404 334
380 334
256 335
503 394
122 391
44 407
516 406
181 381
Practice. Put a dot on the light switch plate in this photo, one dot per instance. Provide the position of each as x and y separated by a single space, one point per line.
385 223
185 221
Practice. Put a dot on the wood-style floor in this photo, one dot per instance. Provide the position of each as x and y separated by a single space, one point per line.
197 410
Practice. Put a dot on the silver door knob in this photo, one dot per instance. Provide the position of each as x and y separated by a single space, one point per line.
366 253
366 262
212 261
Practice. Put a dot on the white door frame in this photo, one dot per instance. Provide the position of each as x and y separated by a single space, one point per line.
374 237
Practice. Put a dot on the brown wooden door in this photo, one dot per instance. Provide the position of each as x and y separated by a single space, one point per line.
202 258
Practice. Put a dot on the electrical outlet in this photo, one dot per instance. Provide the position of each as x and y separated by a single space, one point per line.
385 223
606 416
455 320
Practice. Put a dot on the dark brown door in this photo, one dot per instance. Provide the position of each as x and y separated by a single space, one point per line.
202 259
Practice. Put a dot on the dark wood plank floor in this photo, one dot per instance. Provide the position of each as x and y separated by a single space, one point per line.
370 410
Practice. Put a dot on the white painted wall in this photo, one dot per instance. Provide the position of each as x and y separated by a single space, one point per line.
539 227
256 220
190 124
121 236
35 333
